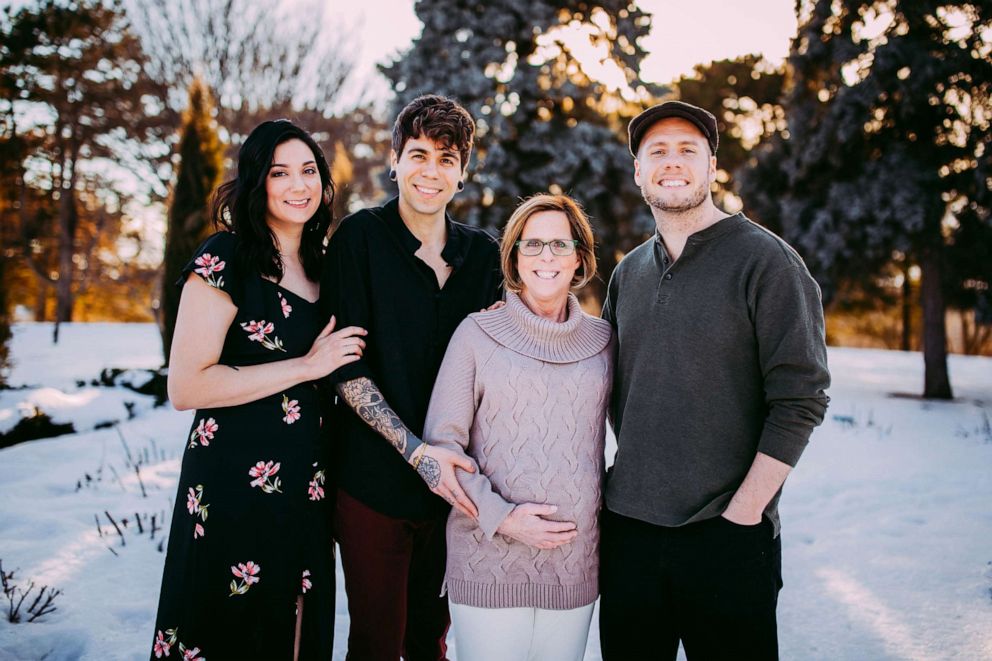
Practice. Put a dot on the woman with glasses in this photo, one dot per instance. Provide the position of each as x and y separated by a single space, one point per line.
523 392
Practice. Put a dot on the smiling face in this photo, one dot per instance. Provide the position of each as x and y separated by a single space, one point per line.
292 187
427 174
547 277
674 167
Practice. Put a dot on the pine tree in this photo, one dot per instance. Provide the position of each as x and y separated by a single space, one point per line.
744 95
5 317
82 72
888 138
200 167
543 121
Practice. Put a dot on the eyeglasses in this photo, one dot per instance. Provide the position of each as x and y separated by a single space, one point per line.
534 247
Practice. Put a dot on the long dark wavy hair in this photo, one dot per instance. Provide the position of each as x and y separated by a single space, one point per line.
239 205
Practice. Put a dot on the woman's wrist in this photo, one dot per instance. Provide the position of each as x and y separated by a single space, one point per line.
302 369
506 526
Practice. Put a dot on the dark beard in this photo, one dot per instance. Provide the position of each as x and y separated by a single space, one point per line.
698 197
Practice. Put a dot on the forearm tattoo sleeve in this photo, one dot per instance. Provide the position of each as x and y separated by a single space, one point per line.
367 401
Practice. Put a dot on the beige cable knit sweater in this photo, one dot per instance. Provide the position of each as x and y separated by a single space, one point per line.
526 399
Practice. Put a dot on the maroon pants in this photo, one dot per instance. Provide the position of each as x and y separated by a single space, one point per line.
393 570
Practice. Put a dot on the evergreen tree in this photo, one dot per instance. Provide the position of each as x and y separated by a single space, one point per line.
548 118
888 138
199 170
81 73
9 162
744 94
5 317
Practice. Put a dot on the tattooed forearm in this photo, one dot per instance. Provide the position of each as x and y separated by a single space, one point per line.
367 401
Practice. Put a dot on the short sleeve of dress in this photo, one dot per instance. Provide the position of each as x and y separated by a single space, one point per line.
214 261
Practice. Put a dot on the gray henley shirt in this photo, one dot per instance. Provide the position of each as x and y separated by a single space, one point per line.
721 356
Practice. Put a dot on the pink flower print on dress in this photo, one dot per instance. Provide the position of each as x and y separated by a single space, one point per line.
248 573
284 304
209 265
204 432
192 501
191 654
291 407
196 507
259 331
316 488
162 646
262 471
307 583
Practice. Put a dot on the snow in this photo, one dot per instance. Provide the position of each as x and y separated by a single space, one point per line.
83 350
887 520
48 381
85 407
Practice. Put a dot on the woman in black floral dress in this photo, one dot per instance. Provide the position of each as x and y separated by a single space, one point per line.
249 571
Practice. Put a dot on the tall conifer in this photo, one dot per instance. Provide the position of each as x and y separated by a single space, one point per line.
888 141
547 118
5 317
199 170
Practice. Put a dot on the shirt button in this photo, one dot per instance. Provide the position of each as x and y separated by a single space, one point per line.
668 276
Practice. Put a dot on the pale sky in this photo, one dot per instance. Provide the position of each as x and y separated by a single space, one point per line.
683 34
687 33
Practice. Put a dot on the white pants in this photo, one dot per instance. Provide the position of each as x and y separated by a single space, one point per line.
520 634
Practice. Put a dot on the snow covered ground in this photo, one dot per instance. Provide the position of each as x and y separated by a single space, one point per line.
887 521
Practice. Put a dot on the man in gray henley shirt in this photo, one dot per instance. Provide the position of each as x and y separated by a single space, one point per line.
720 380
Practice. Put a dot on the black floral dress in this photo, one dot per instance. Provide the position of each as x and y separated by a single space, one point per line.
249 532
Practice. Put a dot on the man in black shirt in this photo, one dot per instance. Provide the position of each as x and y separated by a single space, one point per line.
409 275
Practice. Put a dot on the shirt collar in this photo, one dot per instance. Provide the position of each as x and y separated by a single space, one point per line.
717 229
456 244
517 328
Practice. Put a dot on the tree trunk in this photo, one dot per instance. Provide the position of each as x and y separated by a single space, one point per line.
68 219
936 382
6 317
966 333
41 299
907 308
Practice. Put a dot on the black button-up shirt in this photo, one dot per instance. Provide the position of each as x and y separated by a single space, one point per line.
371 278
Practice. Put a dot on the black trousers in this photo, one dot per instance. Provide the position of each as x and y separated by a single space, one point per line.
713 585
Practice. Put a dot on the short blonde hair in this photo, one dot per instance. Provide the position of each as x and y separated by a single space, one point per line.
577 221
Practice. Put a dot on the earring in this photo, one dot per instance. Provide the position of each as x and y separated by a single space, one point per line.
392 174
461 185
